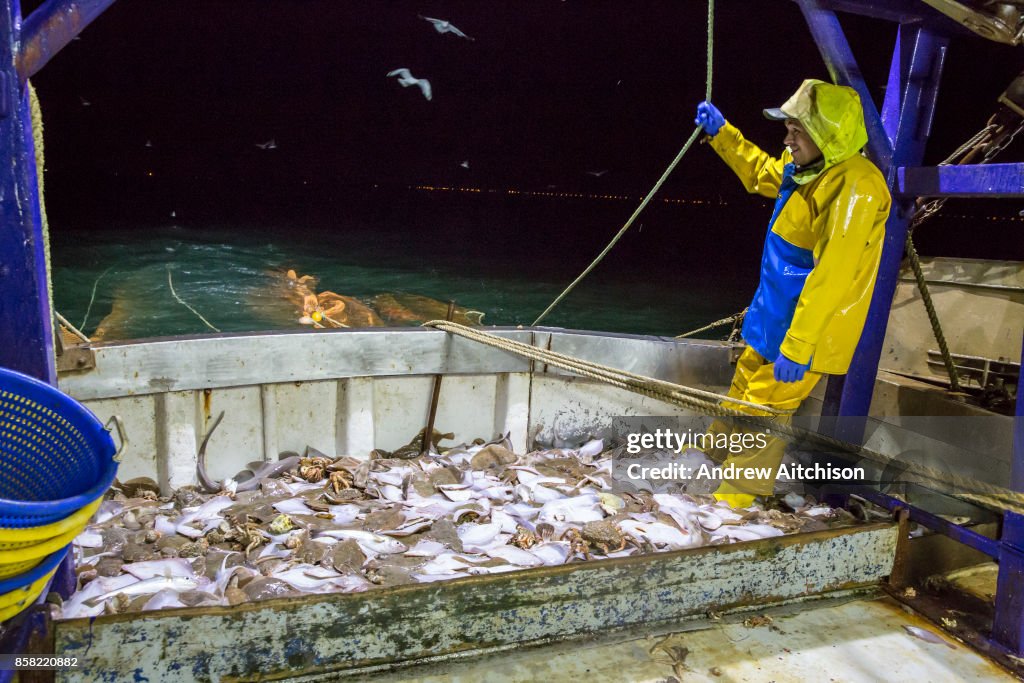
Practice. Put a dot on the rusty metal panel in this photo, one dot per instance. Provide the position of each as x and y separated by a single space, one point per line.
979 303
401 404
577 408
315 634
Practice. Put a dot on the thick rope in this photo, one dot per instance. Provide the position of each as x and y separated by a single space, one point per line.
657 185
933 316
655 388
71 328
929 209
989 495
718 323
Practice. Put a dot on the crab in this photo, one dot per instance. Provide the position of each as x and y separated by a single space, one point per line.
313 469
523 538
604 536
577 544
339 480
249 535
544 531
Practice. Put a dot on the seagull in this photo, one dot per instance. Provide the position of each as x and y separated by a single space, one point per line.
85 102
269 144
149 143
597 174
442 26
465 164
405 77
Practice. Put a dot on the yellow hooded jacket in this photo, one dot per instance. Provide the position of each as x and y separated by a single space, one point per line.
824 243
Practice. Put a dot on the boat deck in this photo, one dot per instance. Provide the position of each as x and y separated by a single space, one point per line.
852 639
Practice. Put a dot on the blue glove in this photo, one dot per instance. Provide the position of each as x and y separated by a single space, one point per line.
709 118
789 371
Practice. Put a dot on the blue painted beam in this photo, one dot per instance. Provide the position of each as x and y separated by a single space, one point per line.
969 180
26 325
843 68
968 537
52 26
917 68
900 11
1008 621
1017 464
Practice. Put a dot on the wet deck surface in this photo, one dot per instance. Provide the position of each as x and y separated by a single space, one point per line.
979 581
849 641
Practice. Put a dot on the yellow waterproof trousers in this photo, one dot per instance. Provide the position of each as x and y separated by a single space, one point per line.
754 381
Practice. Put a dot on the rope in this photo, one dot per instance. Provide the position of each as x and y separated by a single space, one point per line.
731 319
180 301
933 317
990 495
657 185
71 328
339 324
93 297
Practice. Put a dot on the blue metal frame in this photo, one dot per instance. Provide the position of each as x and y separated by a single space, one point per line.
26 337
896 138
905 118
973 539
53 25
991 180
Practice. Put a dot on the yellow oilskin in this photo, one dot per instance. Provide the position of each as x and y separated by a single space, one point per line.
754 381
736 500
838 213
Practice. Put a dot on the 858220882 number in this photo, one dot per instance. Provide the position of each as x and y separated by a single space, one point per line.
38 662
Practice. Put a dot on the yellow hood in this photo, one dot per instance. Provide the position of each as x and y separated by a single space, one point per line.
832 116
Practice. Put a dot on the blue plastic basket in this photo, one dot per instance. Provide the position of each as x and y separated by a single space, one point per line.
32 575
55 456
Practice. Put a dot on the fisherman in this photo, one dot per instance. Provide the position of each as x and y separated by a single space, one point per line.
819 263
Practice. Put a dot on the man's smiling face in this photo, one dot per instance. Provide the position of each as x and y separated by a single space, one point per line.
800 144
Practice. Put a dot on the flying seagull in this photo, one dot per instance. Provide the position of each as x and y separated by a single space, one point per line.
406 79
269 144
597 174
442 26
465 164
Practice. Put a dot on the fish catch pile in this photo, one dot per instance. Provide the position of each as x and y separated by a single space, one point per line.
317 524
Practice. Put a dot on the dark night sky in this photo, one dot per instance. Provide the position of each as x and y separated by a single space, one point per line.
547 91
